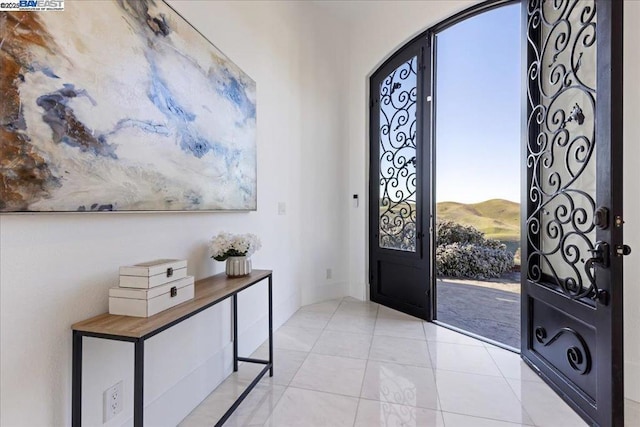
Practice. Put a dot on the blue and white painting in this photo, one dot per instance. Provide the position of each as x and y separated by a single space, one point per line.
121 105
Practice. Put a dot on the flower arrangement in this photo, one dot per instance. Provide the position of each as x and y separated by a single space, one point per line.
225 245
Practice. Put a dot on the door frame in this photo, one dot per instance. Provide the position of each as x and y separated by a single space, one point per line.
428 155
470 12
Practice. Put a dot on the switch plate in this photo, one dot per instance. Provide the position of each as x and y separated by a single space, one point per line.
282 208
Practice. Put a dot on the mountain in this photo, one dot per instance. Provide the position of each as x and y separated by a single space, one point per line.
497 218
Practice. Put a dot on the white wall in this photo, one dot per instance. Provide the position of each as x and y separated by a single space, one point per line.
378 29
324 165
311 67
55 269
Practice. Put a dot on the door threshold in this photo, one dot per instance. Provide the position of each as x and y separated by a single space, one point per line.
478 337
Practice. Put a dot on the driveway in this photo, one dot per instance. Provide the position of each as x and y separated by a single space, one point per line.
487 308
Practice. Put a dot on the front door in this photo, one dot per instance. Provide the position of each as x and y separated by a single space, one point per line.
572 225
399 255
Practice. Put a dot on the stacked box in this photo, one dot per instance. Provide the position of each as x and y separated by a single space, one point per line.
148 288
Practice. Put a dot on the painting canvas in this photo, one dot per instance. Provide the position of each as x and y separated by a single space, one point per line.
121 105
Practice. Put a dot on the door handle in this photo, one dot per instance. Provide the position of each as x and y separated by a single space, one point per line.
622 250
600 256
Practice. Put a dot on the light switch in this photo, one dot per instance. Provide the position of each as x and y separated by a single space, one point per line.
282 208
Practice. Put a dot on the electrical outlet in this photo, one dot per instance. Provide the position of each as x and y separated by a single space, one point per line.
282 208
329 273
112 401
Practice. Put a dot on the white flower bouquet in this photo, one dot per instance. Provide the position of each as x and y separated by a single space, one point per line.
225 245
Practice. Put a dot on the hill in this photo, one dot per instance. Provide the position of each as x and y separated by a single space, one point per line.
498 219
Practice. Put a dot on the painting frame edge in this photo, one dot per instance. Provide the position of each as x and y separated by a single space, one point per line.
254 208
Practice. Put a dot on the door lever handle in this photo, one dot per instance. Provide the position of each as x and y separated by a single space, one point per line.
600 256
622 250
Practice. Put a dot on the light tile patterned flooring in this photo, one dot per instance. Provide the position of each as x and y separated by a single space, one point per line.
352 363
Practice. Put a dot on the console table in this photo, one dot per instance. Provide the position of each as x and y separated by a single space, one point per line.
208 292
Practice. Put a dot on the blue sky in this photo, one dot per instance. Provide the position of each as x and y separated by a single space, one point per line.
478 108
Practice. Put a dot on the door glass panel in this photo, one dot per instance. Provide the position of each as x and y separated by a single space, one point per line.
397 212
562 161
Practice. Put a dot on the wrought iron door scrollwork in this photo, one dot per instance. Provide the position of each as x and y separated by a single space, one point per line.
578 355
561 144
398 96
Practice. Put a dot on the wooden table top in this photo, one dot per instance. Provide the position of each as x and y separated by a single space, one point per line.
208 291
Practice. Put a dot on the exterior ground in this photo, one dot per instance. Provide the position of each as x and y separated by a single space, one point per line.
490 308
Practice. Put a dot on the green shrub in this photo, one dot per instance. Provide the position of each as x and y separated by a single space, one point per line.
463 251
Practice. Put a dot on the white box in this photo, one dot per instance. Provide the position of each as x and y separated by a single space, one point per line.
147 302
153 273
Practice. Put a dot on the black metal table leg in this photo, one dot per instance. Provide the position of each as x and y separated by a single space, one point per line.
235 331
270 326
138 383
76 380
138 373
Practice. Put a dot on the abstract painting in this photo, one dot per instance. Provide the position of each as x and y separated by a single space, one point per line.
121 105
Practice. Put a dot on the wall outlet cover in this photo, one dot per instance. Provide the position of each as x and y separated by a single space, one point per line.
112 401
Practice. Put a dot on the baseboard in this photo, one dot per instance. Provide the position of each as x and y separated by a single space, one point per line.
251 337
176 403
324 292
285 310
631 380
359 291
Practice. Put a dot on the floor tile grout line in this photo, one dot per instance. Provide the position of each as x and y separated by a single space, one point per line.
435 382
431 344
312 346
521 402
404 338
355 418
487 418
494 364
523 409
400 404
500 370
236 414
431 367
324 391
364 377
311 351
288 386
456 343
409 365
537 380
467 372
477 374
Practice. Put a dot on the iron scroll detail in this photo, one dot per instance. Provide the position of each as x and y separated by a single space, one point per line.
398 158
561 154
578 355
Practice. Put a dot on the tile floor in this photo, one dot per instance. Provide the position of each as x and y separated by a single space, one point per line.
352 363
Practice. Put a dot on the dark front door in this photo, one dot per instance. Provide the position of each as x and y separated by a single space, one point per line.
572 226
399 183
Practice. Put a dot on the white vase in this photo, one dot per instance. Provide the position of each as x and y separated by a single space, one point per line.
238 266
